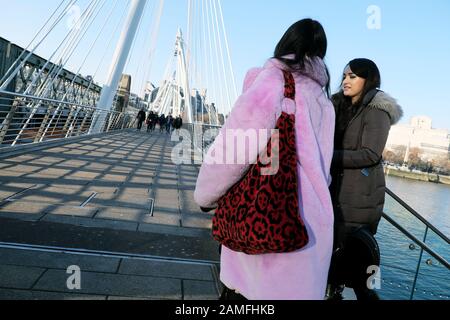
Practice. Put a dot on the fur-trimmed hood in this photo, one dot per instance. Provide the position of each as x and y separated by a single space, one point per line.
383 101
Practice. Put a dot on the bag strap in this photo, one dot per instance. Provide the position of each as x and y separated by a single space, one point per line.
289 85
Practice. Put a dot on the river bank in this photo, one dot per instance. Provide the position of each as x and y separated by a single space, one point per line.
415 175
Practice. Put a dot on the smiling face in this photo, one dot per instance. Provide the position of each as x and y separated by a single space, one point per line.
352 85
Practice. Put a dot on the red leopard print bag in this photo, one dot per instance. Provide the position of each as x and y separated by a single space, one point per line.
260 214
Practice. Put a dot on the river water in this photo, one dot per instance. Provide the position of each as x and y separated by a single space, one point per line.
403 277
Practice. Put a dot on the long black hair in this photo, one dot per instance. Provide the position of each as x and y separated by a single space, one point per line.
366 69
304 39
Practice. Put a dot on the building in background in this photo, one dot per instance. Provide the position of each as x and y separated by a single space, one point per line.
123 93
418 142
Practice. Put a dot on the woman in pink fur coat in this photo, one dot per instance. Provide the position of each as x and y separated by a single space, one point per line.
300 275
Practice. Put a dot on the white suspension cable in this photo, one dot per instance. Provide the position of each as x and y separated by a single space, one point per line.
140 62
220 105
228 49
70 48
199 62
142 66
193 70
36 105
189 34
213 97
206 63
68 36
91 46
79 69
154 37
222 59
6 80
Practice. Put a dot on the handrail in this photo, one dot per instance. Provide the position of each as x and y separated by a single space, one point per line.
417 241
25 124
7 93
417 215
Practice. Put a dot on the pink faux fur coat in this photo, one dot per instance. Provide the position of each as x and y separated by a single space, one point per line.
300 275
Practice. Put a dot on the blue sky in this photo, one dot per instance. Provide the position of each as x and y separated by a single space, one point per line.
412 48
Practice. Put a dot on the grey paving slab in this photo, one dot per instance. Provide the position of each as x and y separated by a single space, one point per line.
88 148
119 201
200 290
165 198
22 168
91 223
21 159
103 183
97 166
84 175
42 197
165 183
136 158
121 170
196 221
15 186
97 154
51 172
48 260
72 211
76 186
73 163
187 202
19 277
62 189
166 270
27 295
116 156
113 178
5 165
58 149
137 179
133 189
168 176
188 182
115 285
123 214
11 174
76 152
5 194
169 169
163 218
24 210
46 161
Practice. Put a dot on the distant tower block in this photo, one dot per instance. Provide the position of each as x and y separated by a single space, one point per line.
422 122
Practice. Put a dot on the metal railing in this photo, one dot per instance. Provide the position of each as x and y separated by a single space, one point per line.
417 215
202 135
28 119
416 269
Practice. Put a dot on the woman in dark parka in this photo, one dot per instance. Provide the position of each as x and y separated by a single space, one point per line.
364 116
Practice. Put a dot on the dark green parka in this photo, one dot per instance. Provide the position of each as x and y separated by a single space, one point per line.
358 188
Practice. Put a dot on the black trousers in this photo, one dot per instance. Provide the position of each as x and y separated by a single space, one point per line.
231 295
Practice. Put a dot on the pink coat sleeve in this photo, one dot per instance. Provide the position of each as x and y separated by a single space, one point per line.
257 108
